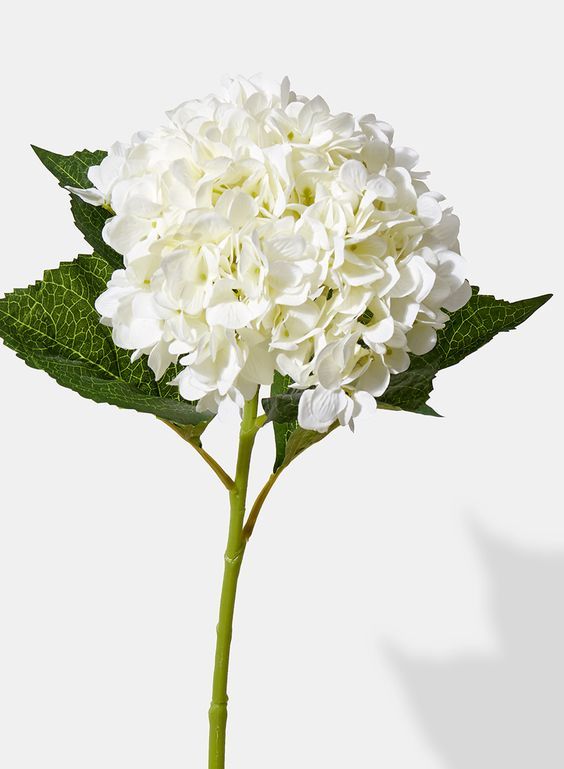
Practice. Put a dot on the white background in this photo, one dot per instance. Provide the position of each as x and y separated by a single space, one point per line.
401 600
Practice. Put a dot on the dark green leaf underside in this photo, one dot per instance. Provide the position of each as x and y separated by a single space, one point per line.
54 326
282 407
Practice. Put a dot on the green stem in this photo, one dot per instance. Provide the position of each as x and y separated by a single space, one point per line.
257 506
233 559
187 436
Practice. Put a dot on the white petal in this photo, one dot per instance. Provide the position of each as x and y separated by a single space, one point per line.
160 359
319 408
375 153
290 248
365 403
122 233
329 371
375 379
446 231
138 334
381 188
428 210
353 175
346 415
405 310
460 297
107 303
143 305
259 367
380 331
91 195
405 157
188 389
229 314
421 338
397 361
237 207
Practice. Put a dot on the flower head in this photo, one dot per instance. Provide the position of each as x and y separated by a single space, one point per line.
260 232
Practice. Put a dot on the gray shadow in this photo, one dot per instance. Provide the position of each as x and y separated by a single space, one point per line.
504 710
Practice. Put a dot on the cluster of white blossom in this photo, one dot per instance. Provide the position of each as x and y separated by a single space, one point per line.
261 232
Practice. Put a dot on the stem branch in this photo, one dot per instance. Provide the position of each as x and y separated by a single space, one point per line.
223 476
257 506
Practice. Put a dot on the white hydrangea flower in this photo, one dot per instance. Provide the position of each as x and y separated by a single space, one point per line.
261 233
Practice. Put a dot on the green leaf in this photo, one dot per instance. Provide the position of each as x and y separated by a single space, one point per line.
54 326
72 171
298 441
282 407
90 220
282 410
284 420
426 410
469 328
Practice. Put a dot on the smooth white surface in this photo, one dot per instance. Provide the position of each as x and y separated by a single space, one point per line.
400 604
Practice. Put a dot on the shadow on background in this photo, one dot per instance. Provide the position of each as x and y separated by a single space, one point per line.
503 710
